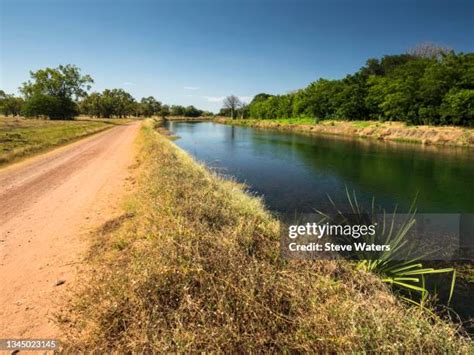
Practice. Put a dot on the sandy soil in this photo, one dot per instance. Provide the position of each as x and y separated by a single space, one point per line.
48 206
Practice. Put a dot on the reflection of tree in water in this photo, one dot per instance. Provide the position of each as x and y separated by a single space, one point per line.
394 172
296 171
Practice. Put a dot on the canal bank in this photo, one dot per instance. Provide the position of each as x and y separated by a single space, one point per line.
385 131
298 173
197 261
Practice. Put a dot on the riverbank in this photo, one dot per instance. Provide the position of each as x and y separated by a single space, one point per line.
184 118
21 137
387 131
194 265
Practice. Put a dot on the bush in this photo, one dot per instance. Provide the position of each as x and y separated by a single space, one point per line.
53 107
11 105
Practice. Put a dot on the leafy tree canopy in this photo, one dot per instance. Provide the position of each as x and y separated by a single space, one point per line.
428 85
53 92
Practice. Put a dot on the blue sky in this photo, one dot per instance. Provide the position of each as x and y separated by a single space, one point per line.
195 52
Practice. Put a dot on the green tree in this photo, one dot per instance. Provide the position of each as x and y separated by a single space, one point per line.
319 99
242 112
149 107
177 110
165 111
10 105
55 108
458 107
396 96
257 107
59 87
207 114
348 98
117 102
91 105
191 111
428 85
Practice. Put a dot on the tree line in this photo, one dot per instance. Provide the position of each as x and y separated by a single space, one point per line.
427 85
188 111
119 103
62 93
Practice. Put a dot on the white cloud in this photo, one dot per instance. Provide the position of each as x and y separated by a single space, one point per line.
194 88
128 83
214 98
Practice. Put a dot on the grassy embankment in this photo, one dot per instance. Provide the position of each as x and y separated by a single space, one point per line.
21 137
391 131
184 118
194 264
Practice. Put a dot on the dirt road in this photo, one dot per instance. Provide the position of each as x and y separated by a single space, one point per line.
48 206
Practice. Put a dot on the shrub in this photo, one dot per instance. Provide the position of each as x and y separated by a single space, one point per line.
53 107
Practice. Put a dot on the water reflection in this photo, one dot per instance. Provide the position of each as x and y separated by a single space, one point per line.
295 172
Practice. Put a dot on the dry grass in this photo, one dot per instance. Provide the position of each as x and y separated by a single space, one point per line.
388 131
195 266
184 118
21 137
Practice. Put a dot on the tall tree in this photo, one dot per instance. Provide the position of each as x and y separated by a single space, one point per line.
232 103
53 92
149 106
117 102
91 105
429 50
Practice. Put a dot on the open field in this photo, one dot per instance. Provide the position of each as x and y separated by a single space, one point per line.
391 131
21 137
194 265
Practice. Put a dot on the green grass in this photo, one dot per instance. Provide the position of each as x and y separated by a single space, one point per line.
303 121
363 124
194 265
279 121
21 137
299 120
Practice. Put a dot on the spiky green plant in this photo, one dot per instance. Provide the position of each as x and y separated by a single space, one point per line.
408 276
